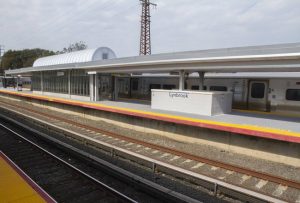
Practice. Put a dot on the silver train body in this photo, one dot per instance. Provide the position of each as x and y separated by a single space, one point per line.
271 92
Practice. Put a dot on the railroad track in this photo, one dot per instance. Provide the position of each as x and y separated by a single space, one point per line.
63 181
225 172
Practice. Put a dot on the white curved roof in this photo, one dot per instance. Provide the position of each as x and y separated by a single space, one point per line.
86 55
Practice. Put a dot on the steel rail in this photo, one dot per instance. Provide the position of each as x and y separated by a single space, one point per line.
230 167
119 194
156 163
177 196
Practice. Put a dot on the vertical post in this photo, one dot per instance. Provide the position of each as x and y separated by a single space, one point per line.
201 80
181 80
96 90
92 96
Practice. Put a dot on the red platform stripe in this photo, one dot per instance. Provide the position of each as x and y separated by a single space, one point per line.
268 135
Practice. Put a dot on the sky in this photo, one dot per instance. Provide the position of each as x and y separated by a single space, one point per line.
177 25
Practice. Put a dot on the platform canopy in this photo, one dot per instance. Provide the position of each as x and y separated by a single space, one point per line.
86 55
270 58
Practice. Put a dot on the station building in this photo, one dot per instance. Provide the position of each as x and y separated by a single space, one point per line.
67 82
264 78
96 74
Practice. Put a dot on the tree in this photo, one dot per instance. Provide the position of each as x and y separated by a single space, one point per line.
13 59
77 46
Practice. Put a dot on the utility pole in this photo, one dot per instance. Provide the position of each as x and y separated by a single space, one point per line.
145 39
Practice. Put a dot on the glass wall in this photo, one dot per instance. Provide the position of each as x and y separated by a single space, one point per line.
58 82
36 81
106 86
80 83
55 81
123 87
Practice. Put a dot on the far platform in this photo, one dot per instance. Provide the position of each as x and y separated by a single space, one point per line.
258 124
16 186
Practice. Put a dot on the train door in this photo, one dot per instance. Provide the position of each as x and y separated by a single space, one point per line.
258 95
105 87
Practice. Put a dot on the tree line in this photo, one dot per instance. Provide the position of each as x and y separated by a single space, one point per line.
13 59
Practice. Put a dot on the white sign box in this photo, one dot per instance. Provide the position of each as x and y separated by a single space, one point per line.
193 102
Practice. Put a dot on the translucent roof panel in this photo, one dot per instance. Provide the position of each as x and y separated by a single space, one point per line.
86 55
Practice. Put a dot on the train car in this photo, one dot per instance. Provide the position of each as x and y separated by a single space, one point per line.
15 82
7 82
271 92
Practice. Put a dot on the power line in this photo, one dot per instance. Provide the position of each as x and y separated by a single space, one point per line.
145 39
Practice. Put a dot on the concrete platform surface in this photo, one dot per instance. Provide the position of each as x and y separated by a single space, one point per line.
241 117
259 124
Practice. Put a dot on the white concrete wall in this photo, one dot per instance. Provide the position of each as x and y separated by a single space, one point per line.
221 103
193 102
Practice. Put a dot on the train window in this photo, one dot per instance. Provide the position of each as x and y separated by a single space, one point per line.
154 86
169 87
135 84
258 90
196 87
293 94
218 88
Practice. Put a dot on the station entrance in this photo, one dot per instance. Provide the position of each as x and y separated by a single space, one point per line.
113 87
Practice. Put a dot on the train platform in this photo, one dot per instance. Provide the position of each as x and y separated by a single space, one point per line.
16 186
258 124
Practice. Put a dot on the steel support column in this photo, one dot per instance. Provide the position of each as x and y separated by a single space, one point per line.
92 92
181 80
96 88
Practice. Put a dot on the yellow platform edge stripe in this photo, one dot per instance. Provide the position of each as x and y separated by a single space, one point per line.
15 187
280 132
